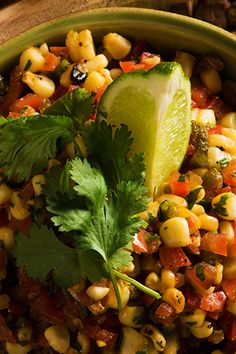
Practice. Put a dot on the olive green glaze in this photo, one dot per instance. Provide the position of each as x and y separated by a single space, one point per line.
164 30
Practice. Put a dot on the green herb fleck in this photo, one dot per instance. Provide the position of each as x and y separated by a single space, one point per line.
192 197
223 162
219 207
28 65
200 271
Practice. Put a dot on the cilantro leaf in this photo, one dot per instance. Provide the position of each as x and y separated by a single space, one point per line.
32 140
192 197
43 253
77 104
220 206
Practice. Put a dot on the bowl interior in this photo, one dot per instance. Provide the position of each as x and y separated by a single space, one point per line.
163 30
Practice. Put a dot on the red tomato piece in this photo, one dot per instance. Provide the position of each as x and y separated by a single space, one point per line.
173 258
216 130
213 302
165 314
181 189
99 93
218 106
201 276
229 173
214 315
59 51
22 226
214 243
199 95
139 243
95 332
229 287
51 62
192 300
130 65
31 99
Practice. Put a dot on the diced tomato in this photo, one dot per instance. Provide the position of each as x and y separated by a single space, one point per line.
192 224
165 314
201 276
51 62
59 92
229 173
218 106
150 60
229 287
181 189
99 93
199 95
22 226
214 243
146 300
173 258
216 130
213 302
139 243
192 300
59 51
214 315
231 330
130 65
31 99
27 191
95 332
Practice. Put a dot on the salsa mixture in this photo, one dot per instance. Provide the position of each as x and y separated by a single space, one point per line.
88 263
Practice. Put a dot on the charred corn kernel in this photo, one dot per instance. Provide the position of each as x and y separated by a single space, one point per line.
200 171
198 209
211 79
155 335
5 193
7 236
219 273
186 213
115 73
44 50
175 232
96 63
224 205
152 281
132 341
227 228
153 208
172 344
173 198
17 209
187 61
229 120
229 264
175 298
94 81
222 141
24 335
196 318
215 155
118 46
14 348
70 150
39 84
80 45
96 292
231 306
84 342
58 338
203 331
204 116
101 343
65 79
38 181
167 279
110 301
107 75
208 222
132 316
31 60
4 301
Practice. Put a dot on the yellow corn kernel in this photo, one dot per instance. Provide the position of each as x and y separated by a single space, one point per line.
204 116
204 331
74 290
155 335
219 273
200 171
107 75
44 50
151 60
80 45
211 79
24 334
226 227
97 292
194 180
196 318
208 222
17 209
4 301
132 340
31 60
231 306
136 267
39 84
58 338
7 236
149 263
14 348
94 81
175 298
229 120
198 209
230 133
219 140
215 155
152 281
101 343
186 213
175 232
96 63
172 344
65 78
187 61
131 316
110 301
217 352
84 342
52 163
38 181
118 46
167 280
227 202
229 264
5 193
115 73
173 198
70 150
153 208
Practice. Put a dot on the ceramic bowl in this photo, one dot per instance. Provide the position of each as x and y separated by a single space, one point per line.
162 29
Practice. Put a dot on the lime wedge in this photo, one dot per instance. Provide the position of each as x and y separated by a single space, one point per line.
156 106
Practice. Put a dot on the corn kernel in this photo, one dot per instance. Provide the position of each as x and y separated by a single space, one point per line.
175 232
40 84
32 60
118 46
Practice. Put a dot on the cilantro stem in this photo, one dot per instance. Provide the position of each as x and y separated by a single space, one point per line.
115 287
137 284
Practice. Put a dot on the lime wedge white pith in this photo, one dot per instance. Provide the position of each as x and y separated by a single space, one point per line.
156 106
